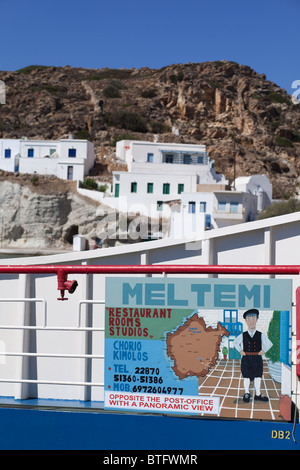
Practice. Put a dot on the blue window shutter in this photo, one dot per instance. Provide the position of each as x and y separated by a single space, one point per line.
285 338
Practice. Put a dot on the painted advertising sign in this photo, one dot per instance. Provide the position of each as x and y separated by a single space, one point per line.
209 347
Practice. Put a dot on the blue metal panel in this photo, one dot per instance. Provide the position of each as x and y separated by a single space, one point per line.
83 430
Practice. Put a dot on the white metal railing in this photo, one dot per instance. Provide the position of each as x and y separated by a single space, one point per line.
45 327
14 327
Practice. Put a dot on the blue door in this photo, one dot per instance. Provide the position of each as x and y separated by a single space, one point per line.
70 173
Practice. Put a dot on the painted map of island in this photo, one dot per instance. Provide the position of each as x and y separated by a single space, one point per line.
193 347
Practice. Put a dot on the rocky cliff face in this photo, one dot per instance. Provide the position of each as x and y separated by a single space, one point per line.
249 124
44 213
31 218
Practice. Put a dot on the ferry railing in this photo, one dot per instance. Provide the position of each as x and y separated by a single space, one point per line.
46 327
18 300
62 271
63 284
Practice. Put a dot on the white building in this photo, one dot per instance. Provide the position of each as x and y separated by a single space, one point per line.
178 181
205 210
258 185
69 159
162 172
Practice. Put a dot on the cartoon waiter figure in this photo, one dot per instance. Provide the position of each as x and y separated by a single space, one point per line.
252 345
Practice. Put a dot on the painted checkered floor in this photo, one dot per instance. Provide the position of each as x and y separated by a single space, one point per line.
225 381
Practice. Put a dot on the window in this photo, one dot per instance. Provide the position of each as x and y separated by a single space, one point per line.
52 151
192 207
117 189
72 153
230 316
150 188
169 158
200 159
159 206
207 222
234 207
166 188
186 159
133 187
7 153
150 157
180 188
221 206
30 153
202 206
226 316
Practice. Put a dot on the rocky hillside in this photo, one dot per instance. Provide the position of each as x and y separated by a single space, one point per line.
34 217
44 213
237 113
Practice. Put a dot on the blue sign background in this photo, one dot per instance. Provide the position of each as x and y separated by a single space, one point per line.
140 312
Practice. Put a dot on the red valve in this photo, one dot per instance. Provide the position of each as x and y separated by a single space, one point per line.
63 284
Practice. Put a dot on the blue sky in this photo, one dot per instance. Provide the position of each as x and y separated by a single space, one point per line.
264 34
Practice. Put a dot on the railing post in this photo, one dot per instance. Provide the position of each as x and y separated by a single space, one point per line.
26 366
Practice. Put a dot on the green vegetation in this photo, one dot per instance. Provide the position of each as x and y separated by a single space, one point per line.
225 351
177 78
126 120
273 335
35 180
82 134
295 136
111 92
92 185
283 141
218 63
275 125
280 208
118 84
46 87
159 127
288 139
89 183
278 98
110 74
30 68
149 93
273 97
123 136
